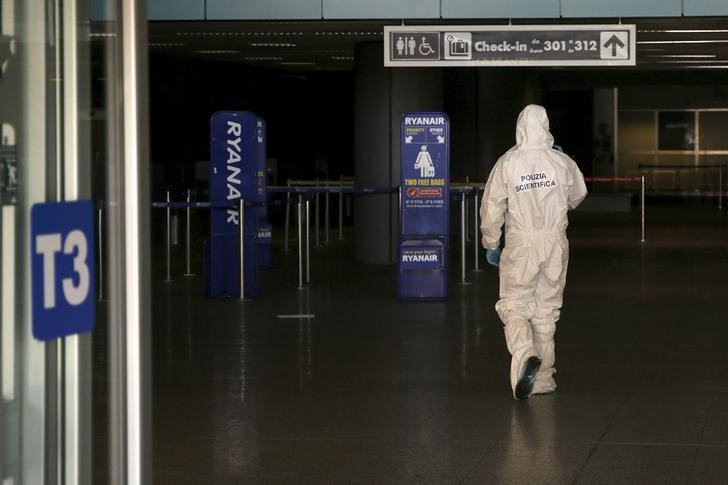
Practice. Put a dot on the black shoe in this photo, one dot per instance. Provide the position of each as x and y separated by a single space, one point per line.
528 377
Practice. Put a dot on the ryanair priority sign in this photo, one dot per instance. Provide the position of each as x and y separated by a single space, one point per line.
510 45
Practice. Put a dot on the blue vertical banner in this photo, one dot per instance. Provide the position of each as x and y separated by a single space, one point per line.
233 167
425 172
63 264
233 174
425 216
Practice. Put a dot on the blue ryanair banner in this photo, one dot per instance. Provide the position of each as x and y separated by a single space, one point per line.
425 216
234 152
425 173
233 168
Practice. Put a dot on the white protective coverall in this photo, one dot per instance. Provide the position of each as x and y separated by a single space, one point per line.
530 189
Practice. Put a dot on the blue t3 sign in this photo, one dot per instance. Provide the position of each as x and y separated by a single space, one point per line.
425 174
62 252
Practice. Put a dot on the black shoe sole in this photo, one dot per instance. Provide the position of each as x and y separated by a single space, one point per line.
525 383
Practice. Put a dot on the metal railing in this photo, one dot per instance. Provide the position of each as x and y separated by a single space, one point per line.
304 196
655 169
305 193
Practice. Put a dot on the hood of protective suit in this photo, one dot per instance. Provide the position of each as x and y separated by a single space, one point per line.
532 128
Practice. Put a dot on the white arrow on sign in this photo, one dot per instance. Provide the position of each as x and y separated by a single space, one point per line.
614 45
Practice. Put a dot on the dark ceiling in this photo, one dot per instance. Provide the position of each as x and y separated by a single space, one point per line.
664 43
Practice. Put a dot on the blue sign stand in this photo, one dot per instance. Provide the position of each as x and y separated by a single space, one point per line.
265 229
62 263
233 168
425 216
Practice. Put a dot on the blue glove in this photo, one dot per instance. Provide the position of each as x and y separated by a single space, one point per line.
493 256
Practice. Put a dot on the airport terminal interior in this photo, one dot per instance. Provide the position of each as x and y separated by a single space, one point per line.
363 388
305 360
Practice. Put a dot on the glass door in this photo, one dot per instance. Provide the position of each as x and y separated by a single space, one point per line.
72 94
45 157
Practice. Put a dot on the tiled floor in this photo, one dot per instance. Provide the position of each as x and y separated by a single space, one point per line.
375 390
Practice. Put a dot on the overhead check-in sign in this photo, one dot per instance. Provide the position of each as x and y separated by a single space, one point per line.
510 45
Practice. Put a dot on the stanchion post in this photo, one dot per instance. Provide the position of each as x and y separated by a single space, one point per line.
462 238
399 206
288 218
476 229
341 211
188 237
642 204
308 245
317 226
101 255
241 233
720 186
169 240
300 242
326 217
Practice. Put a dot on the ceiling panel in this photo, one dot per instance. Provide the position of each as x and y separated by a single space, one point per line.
678 43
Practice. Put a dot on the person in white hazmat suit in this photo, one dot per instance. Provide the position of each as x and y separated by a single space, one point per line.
530 190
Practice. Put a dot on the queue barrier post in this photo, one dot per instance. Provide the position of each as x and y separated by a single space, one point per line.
300 241
642 204
168 245
326 217
288 219
720 187
308 245
399 205
341 212
476 230
463 224
188 237
101 255
241 233
316 215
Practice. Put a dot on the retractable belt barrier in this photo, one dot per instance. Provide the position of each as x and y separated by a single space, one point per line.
187 205
301 192
330 190
320 183
612 179
310 187
343 185
459 192
308 190
304 193
694 167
